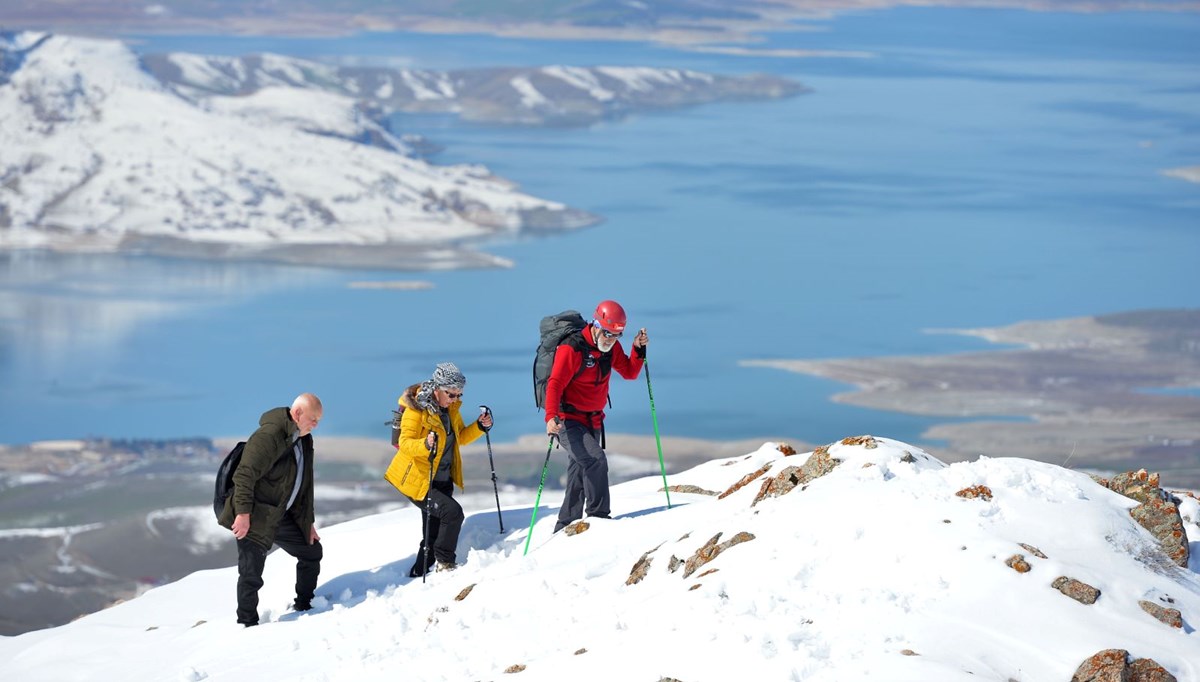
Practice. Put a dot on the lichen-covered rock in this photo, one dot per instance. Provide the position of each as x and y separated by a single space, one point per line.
781 484
515 668
1157 511
976 491
786 449
1033 550
744 480
688 488
1167 615
640 568
1148 670
817 465
577 527
465 591
1075 589
867 442
674 563
711 550
1017 563
1110 665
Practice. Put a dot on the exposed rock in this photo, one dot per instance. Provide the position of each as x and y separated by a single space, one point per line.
819 464
867 442
1170 616
976 491
1104 666
708 572
640 568
694 587
674 563
577 528
580 651
465 591
1033 550
908 458
1148 670
516 668
687 488
908 652
783 483
1157 511
1079 591
744 480
1017 563
711 550
786 449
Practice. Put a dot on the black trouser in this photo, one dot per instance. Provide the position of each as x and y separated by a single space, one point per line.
587 475
253 556
443 532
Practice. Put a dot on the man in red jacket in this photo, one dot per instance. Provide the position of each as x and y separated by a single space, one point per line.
575 396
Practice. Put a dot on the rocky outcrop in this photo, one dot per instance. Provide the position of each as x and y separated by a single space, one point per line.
711 550
688 488
640 568
976 492
1017 563
1166 615
744 480
1077 590
1157 511
1113 665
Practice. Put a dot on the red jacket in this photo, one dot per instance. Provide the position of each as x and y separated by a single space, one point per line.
588 392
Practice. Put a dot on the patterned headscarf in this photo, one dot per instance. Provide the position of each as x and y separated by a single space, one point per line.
446 375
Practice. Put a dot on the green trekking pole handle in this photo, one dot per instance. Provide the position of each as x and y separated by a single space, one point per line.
657 439
538 501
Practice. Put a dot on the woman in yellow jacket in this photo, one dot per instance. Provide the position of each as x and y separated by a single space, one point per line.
432 421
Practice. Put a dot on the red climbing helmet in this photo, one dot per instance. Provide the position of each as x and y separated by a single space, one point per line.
611 316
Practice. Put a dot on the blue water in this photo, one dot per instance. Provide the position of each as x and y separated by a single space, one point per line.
982 168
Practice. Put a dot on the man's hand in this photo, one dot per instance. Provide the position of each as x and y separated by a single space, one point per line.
485 421
241 526
312 534
641 339
553 427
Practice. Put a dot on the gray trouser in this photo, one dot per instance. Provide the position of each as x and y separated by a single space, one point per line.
587 475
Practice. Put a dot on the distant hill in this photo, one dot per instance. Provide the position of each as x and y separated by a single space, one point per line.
275 158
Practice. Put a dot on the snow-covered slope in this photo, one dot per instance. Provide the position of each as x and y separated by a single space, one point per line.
534 96
878 570
96 153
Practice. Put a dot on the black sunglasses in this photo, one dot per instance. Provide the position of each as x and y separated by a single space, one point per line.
609 335
454 396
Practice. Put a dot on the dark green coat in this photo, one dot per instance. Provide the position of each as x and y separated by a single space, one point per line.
264 479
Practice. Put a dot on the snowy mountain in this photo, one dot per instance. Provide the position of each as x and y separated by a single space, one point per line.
281 158
551 95
98 154
865 560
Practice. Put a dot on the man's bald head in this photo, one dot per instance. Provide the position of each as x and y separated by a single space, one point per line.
307 412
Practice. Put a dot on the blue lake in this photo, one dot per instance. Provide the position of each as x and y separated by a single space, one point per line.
981 168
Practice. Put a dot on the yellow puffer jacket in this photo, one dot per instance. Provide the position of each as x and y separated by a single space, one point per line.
409 470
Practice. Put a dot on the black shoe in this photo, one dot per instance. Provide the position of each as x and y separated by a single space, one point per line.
446 566
248 625
302 605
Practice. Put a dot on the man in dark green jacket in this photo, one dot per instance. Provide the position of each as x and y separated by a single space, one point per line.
272 503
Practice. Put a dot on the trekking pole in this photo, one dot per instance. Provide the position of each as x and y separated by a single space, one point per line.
487 411
538 501
658 441
428 511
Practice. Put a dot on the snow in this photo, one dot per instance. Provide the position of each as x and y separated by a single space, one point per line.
101 151
584 79
841 576
530 97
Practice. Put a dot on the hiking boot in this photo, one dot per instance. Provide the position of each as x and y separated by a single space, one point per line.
302 605
446 566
